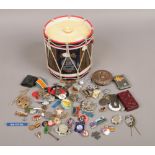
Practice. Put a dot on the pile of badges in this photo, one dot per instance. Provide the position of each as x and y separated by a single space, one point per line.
70 106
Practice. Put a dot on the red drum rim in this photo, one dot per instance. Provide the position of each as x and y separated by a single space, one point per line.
58 42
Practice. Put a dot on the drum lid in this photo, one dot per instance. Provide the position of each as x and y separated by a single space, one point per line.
68 29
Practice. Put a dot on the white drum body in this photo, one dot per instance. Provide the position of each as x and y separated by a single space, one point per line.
68 45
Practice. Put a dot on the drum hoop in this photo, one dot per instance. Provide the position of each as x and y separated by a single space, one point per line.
69 75
71 47
76 42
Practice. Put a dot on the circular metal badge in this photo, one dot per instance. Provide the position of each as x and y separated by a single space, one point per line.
104 100
102 77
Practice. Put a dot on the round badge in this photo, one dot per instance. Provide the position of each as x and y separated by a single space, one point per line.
85 133
79 127
51 123
66 104
104 100
45 123
102 77
57 120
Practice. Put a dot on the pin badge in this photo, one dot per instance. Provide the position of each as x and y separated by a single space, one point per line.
62 130
116 119
79 127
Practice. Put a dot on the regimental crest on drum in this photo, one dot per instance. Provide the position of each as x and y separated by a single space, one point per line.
64 60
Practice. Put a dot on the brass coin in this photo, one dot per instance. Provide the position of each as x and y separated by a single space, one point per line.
102 77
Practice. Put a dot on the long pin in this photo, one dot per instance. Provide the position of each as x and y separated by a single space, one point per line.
137 130
56 138
131 131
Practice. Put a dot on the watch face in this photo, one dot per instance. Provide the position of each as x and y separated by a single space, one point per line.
79 127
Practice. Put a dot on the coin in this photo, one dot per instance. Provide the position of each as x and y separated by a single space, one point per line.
105 100
102 77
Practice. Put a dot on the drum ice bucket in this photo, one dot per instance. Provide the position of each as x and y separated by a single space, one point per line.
68 46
